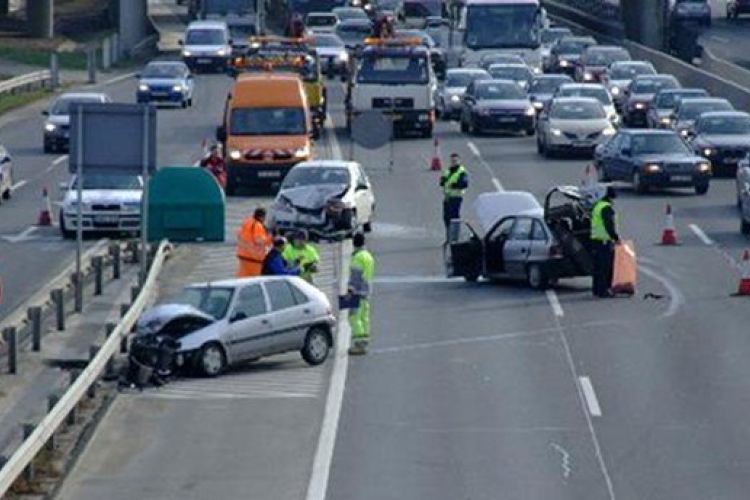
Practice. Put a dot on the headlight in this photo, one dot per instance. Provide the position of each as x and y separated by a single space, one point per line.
538 105
588 76
609 131
455 99
143 87
684 132
652 168
178 88
666 120
556 132
221 52
186 53
50 127
615 90
343 57
530 111
614 118
704 167
235 154
564 64
282 205
708 152
131 206
639 105
302 152
537 70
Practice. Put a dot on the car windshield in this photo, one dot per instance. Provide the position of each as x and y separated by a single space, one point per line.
205 37
653 85
501 59
692 110
491 26
347 13
730 125
511 73
309 176
598 93
353 32
320 20
213 301
328 41
571 47
550 36
463 79
393 69
659 144
109 181
267 121
421 9
628 72
163 71
241 32
577 111
603 57
497 91
546 85
669 100
62 105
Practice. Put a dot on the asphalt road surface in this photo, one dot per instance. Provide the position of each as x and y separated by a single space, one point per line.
727 39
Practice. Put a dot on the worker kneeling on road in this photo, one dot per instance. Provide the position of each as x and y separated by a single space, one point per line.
274 263
454 182
603 239
253 241
303 255
361 272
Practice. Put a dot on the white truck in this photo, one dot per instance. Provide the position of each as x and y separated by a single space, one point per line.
395 77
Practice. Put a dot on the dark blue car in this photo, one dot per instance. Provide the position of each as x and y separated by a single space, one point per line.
652 159
167 82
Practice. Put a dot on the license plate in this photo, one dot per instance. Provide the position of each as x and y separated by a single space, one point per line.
105 219
506 119
159 94
66 135
269 174
204 60
682 178
581 144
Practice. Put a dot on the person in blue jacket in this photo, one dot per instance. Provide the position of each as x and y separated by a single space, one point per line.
274 263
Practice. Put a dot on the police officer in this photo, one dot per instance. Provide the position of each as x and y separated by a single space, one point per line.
454 182
361 272
604 237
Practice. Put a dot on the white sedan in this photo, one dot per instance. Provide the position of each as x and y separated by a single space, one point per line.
573 125
325 197
6 175
595 90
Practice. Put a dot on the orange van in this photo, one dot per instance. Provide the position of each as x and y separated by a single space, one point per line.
266 129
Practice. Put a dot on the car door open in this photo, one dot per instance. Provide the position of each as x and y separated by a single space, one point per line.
464 257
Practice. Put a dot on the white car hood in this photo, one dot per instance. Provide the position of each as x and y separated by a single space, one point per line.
330 51
105 196
580 126
316 196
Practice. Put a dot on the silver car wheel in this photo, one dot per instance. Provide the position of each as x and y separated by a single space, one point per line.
212 360
317 347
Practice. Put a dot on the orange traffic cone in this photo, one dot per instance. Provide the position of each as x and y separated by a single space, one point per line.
436 164
744 288
45 215
669 233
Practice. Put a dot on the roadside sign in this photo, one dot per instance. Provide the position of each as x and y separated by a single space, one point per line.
371 130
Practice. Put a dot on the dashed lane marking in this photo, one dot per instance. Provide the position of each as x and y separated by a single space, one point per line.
701 234
18 185
554 302
591 400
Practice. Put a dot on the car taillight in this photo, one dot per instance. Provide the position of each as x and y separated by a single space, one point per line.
555 251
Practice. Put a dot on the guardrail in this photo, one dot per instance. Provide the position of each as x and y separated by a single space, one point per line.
38 79
45 430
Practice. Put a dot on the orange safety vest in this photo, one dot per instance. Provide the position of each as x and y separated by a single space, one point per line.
253 241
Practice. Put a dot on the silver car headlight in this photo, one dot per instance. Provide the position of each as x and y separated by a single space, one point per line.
222 52
652 168
564 63
666 120
186 53
615 90
131 206
588 76
50 127
343 57
609 131
556 132
530 111
708 151
538 105
178 88
455 99
143 87
704 167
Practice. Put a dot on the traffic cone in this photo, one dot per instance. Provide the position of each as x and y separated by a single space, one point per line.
669 233
744 288
436 164
45 215
590 178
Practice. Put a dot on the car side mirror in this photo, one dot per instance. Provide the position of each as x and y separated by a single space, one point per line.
45 113
221 133
626 152
238 316
180 43
137 76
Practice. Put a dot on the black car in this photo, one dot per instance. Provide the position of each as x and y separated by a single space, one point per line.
665 102
723 137
565 54
651 158
639 95
543 87
595 62
690 11
437 55
497 105
690 109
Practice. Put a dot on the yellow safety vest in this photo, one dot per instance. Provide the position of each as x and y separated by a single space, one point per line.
598 229
450 179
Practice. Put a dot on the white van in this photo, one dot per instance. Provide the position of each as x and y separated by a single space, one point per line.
207 44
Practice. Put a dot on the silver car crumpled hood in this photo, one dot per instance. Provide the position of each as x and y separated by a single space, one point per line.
313 197
152 320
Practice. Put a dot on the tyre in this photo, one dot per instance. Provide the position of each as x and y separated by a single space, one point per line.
464 127
638 186
367 227
472 278
212 361
530 132
536 277
701 189
744 226
67 234
190 102
184 104
7 194
539 145
231 187
48 149
317 346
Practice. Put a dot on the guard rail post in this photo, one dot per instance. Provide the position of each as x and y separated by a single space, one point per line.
52 401
98 265
106 53
35 318
115 48
73 415
93 351
134 291
28 472
54 70
109 369
115 253
91 64
124 308
78 291
11 338
58 299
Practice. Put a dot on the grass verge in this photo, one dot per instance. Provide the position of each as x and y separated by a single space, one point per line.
40 57
13 101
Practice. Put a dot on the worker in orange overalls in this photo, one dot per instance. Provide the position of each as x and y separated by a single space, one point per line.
253 242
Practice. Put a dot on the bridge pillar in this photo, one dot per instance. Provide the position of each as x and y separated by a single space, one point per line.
4 7
40 18
645 21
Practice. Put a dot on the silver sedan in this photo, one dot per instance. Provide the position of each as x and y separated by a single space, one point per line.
449 97
573 125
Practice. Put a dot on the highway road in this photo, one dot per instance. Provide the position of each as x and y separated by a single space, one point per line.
728 39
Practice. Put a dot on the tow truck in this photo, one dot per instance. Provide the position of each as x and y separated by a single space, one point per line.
295 55
393 76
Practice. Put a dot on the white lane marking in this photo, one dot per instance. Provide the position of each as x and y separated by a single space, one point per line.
18 185
474 149
321 469
554 302
564 459
676 298
497 184
495 181
24 235
719 39
56 162
333 140
701 234
413 280
113 80
591 400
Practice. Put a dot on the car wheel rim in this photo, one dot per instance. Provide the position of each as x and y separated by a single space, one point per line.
318 346
212 360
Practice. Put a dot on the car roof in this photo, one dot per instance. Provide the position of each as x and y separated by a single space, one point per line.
496 81
647 131
656 76
167 63
321 14
489 208
207 24
235 282
576 85
358 21
572 99
632 63
326 164
685 91
702 100
466 71
554 76
726 114
509 65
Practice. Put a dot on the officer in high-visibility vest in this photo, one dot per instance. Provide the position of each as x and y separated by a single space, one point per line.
454 182
604 237
361 272
302 255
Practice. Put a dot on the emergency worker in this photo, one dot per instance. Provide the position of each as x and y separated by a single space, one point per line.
361 272
214 164
274 263
604 237
454 182
253 242
303 255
